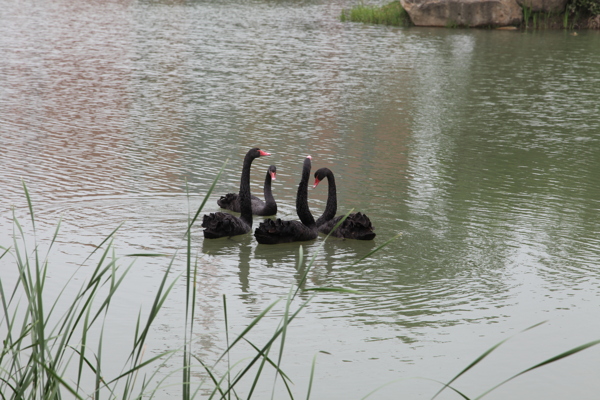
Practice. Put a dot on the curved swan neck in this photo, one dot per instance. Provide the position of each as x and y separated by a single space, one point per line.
269 199
331 206
244 194
302 197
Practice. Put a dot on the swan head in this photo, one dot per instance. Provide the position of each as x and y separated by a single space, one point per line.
273 172
256 152
321 174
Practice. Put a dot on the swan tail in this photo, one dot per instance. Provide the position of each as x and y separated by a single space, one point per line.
230 202
278 231
357 226
217 225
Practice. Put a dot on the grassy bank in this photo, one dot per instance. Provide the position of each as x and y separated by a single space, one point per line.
568 20
389 14
579 14
52 351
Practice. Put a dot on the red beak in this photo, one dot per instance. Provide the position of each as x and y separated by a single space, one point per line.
316 183
264 153
273 175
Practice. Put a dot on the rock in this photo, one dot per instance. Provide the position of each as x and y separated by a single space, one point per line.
544 5
472 13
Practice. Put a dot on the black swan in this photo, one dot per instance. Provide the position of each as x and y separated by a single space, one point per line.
356 226
221 224
231 201
278 231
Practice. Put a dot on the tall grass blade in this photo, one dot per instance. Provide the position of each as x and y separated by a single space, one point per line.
29 204
558 357
82 359
248 328
54 237
285 323
210 190
141 365
159 300
484 355
265 356
212 377
98 368
99 246
266 346
377 249
227 339
403 379
312 375
59 379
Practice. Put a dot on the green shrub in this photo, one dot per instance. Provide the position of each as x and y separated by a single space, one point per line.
591 7
389 14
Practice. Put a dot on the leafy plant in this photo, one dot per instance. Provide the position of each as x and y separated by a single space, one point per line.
589 7
389 14
42 341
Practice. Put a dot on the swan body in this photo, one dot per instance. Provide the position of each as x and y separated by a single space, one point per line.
231 201
356 226
221 224
280 231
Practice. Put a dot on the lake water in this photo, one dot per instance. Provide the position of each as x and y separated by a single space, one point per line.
481 147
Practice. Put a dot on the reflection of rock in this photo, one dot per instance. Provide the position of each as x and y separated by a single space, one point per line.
471 13
544 5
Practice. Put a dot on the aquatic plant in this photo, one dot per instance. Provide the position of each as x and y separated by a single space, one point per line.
390 14
526 16
581 14
49 350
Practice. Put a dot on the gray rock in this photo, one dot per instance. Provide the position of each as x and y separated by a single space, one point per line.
472 13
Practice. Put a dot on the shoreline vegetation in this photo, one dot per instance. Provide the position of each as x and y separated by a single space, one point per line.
578 14
50 352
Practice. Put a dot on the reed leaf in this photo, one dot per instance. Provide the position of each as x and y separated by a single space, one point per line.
265 356
558 357
28 197
248 328
376 249
311 377
206 197
484 355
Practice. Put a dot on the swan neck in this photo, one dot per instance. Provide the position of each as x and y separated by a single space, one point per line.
269 199
244 194
302 208
331 206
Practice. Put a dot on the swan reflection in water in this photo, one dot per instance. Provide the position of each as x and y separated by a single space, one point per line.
239 247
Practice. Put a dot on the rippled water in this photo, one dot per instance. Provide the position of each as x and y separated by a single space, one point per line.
481 147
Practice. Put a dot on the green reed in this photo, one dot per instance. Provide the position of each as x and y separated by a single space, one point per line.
49 352
389 14
42 341
526 16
